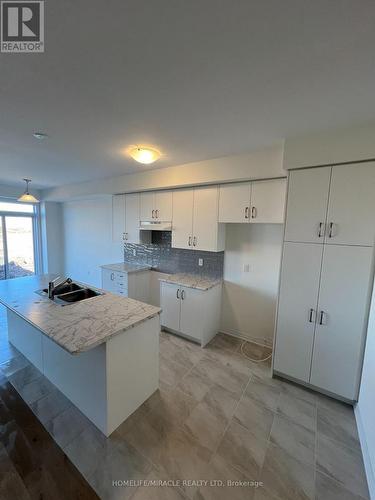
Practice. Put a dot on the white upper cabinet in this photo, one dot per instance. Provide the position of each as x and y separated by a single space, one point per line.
195 219
163 205
147 206
254 202
132 232
341 319
118 217
351 207
182 223
307 205
267 201
234 202
205 226
156 205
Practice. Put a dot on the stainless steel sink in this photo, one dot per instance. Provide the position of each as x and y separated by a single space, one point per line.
69 293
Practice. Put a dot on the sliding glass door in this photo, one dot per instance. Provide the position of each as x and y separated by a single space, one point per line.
17 240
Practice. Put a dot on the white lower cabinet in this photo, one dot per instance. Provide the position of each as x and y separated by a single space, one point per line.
341 319
192 313
322 312
133 285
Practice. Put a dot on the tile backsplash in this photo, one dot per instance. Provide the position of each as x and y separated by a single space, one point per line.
160 255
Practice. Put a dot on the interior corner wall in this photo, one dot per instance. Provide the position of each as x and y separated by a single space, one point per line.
249 298
87 229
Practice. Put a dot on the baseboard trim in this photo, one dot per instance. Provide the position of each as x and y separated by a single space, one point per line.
249 338
365 453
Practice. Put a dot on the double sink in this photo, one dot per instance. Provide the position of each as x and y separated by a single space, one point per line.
69 293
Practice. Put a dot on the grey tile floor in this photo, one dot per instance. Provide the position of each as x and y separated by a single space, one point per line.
217 417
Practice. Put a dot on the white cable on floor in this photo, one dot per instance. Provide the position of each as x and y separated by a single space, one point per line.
251 359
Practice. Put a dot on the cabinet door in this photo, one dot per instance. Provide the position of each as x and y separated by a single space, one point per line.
163 205
147 206
170 305
234 202
351 207
307 204
267 201
341 319
118 217
132 218
205 218
298 299
108 280
182 222
192 313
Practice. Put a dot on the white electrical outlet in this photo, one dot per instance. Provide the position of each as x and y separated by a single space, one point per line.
246 268
134 252
200 262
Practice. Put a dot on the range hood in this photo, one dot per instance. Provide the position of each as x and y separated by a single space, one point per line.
155 225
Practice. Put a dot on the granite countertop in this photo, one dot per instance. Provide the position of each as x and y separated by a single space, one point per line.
192 281
76 327
124 267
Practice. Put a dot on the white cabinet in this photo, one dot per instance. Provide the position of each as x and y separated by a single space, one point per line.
125 219
118 217
351 207
156 205
307 204
182 222
341 319
299 286
133 285
325 284
190 312
254 202
234 204
267 201
195 220
334 205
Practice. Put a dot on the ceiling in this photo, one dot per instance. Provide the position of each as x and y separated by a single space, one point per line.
198 79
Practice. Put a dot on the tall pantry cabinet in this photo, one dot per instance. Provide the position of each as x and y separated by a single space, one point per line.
326 277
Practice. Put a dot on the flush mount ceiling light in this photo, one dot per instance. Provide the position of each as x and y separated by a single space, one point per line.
26 197
144 155
40 135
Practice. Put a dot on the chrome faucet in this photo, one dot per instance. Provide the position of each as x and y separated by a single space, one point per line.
52 285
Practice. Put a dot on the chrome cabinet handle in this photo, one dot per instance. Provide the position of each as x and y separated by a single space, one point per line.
156 214
321 229
194 241
112 276
124 236
189 241
330 230
183 295
153 214
246 212
254 212
311 316
178 293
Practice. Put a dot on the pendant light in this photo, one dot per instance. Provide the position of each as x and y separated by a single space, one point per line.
27 197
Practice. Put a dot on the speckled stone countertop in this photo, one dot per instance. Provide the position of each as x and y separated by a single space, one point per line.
76 327
124 267
192 281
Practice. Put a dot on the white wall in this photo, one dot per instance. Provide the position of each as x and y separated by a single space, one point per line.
88 239
365 409
262 164
249 298
52 233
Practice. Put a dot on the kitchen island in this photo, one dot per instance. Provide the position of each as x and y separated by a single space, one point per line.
101 352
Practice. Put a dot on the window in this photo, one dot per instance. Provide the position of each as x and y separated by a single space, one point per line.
18 241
